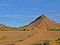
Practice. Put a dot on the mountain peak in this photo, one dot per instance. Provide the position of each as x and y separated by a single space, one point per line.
43 16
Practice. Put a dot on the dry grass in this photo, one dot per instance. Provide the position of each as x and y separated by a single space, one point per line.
14 36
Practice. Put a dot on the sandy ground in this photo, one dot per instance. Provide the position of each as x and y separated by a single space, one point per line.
14 36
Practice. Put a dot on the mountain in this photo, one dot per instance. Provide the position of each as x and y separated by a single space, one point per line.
42 22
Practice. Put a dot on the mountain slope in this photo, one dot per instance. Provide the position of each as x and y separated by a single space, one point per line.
43 22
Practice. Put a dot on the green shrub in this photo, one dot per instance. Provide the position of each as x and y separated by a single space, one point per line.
58 41
24 29
32 28
54 29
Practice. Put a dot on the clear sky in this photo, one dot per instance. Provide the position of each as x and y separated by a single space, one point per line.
17 13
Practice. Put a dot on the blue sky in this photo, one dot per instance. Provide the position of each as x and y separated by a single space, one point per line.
17 13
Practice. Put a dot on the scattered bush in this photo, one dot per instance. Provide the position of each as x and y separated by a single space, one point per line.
32 28
24 29
58 41
54 29
10 44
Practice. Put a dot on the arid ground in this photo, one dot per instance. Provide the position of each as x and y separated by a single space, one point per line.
41 31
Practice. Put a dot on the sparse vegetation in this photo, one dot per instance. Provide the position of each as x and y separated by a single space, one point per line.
43 42
58 41
37 44
4 38
32 28
10 44
24 29
46 42
54 29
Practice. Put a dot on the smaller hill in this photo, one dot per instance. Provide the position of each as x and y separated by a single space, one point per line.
1 25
